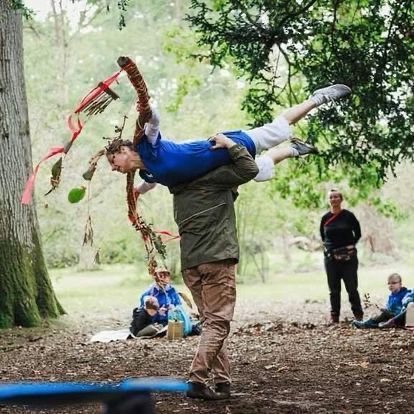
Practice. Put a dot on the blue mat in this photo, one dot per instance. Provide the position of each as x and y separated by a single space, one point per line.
73 392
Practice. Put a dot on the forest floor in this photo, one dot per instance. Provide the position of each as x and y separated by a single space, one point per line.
285 359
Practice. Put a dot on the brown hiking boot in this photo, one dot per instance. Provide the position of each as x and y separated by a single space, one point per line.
202 391
223 389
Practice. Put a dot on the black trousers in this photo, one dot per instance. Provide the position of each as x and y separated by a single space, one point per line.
348 272
385 316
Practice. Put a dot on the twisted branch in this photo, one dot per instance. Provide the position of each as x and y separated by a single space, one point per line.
152 241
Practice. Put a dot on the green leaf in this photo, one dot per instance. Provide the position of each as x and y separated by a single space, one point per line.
76 194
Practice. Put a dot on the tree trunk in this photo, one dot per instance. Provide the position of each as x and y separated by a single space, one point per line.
61 45
26 294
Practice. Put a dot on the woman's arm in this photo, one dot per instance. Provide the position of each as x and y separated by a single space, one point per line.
356 228
143 187
322 230
152 127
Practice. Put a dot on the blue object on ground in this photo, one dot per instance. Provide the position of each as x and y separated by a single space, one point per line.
113 394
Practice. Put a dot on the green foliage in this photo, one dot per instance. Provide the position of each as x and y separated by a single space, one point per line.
387 208
368 45
194 101
91 54
19 5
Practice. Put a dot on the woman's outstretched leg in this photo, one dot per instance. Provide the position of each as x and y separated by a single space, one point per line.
275 155
274 133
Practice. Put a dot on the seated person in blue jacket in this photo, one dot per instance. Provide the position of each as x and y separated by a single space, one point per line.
399 320
393 314
165 294
170 163
154 304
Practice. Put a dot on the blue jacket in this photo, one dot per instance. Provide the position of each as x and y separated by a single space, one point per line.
409 297
165 297
394 301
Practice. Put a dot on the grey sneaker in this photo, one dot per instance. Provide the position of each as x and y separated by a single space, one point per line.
302 147
330 93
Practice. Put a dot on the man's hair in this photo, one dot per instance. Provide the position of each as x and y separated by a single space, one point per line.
151 302
394 276
115 145
334 190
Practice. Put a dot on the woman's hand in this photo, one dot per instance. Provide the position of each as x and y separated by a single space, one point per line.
221 141
162 311
136 193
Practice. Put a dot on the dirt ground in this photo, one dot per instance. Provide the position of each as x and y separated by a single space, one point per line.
292 363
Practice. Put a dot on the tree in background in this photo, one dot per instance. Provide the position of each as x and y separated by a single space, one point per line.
366 44
26 294
185 92
188 93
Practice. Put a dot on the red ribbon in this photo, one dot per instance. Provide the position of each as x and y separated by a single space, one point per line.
28 188
332 218
74 127
167 233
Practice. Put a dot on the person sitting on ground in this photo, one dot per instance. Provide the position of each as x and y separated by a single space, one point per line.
170 163
142 318
397 300
168 306
165 294
160 297
399 320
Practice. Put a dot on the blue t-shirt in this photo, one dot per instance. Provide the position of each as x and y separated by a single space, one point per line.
170 163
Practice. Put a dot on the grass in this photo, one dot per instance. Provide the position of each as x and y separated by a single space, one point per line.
116 288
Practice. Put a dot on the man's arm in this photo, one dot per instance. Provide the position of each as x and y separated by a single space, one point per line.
242 168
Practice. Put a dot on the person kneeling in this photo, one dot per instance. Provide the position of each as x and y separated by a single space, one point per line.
142 319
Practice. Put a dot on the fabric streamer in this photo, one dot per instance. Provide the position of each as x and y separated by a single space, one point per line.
92 103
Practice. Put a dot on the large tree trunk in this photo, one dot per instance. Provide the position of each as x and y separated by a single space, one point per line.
26 294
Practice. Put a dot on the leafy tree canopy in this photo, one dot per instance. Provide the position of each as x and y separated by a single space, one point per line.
366 44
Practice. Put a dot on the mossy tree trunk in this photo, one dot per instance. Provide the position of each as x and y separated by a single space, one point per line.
26 293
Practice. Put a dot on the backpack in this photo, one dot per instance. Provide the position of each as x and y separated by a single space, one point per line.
179 314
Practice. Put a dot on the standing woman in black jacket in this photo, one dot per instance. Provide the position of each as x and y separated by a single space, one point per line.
340 231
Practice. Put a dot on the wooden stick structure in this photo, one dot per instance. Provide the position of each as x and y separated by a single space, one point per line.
152 241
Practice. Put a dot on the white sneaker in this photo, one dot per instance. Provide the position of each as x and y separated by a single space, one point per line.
330 93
